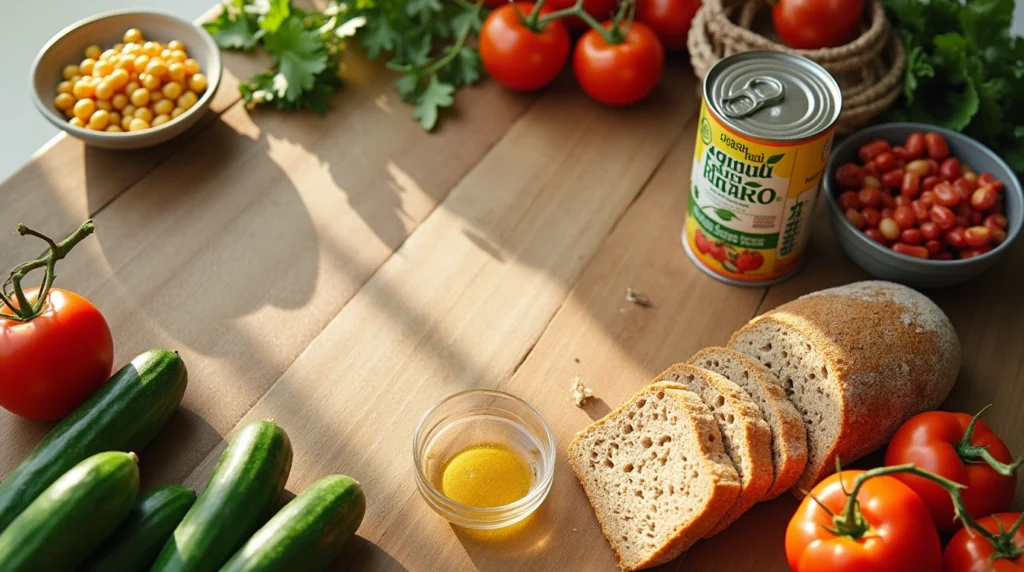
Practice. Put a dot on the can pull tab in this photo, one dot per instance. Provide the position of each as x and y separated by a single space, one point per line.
759 93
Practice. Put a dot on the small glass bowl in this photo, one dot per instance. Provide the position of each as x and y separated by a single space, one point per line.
473 418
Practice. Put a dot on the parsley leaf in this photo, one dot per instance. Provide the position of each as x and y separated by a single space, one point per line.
435 96
276 15
299 55
233 31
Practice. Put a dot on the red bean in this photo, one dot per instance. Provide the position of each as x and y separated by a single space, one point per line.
930 230
872 181
937 147
902 201
965 186
918 167
971 176
933 246
955 238
870 150
949 169
944 256
988 179
915 144
963 220
870 197
855 218
888 200
928 196
850 176
971 253
978 236
984 198
998 235
912 236
871 169
892 179
933 167
889 229
901 153
848 200
871 216
920 210
996 220
943 217
885 161
876 235
904 216
977 218
886 212
928 183
915 251
911 184
946 195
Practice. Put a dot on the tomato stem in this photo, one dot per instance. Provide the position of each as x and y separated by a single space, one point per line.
533 21
970 453
615 34
23 310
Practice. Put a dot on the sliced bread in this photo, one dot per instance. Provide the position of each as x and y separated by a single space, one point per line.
789 436
745 434
656 474
856 361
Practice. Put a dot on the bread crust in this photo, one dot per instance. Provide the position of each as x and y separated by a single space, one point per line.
789 435
890 353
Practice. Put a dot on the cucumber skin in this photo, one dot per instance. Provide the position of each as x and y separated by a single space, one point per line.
308 533
123 415
73 516
137 542
240 496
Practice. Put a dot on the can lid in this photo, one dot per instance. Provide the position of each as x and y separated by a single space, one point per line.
773 95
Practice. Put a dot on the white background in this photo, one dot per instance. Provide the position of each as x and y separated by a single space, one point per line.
26 25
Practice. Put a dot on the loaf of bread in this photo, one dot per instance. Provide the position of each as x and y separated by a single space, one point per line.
856 361
656 474
746 436
789 436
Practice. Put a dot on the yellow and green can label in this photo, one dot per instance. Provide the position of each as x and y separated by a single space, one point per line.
751 202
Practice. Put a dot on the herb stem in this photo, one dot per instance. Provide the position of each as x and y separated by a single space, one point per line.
454 50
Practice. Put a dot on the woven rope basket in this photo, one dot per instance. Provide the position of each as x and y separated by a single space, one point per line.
869 69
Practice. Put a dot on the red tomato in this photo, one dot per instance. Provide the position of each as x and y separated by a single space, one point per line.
518 57
971 552
814 24
933 441
670 20
620 73
601 10
749 260
703 245
899 535
717 251
52 363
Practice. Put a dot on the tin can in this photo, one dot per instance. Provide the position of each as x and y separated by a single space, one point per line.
765 133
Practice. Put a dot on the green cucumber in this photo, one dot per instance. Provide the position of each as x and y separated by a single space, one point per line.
72 516
123 415
137 542
308 533
240 496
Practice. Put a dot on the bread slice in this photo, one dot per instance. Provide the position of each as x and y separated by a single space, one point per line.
745 434
656 474
856 361
789 436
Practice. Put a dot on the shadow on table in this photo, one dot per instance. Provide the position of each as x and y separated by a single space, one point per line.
513 547
370 557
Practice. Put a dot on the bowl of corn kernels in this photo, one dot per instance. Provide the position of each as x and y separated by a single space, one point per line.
125 80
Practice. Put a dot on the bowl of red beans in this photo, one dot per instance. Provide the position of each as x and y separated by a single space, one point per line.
921 205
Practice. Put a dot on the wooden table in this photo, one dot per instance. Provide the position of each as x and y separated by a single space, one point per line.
342 274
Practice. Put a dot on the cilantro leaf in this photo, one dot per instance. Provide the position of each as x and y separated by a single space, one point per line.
407 87
378 37
299 55
233 31
422 9
428 103
464 68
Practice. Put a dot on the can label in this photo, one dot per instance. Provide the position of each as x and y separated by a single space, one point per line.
751 201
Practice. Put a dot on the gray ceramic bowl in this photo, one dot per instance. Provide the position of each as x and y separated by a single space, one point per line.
106 30
890 265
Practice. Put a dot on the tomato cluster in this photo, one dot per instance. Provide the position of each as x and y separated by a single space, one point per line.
618 62
920 201
731 259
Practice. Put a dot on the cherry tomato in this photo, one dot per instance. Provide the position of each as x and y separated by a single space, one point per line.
928 183
911 184
872 149
932 441
915 145
849 200
870 197
876 235
516 56
988 179
971 552
912 236
850 176
904 216
984 198
871 216
977 236
52 363
921 209
946 195
856 219
965 185
892 179
600 9
886 161
815 24
622 73
949 170
670 20
955 238
996 220
937 147
915 251
930 230
943 217
901 537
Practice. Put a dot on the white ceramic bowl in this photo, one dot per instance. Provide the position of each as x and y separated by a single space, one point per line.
106 30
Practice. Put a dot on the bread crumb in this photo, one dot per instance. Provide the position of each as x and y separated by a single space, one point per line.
638 298
580 392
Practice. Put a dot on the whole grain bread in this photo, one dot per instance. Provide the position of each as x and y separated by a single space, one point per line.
856 361
656 474
789 436
745 434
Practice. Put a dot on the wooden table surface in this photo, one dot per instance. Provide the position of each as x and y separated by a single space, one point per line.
341 274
